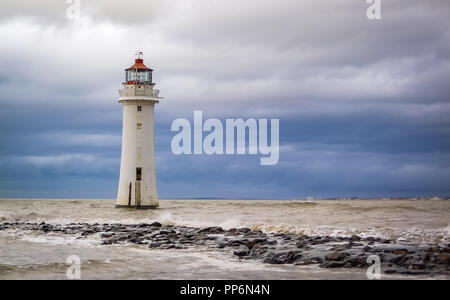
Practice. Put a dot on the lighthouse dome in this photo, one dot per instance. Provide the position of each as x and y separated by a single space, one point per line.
138 73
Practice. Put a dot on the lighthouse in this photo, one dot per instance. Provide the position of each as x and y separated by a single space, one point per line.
137 182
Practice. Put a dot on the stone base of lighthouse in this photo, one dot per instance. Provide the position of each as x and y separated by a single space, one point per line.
137 182
140 207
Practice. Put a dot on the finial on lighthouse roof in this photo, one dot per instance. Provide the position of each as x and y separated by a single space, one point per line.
139 53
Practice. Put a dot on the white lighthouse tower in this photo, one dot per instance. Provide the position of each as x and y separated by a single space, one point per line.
137 182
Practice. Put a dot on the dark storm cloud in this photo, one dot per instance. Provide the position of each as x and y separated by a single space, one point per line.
363 105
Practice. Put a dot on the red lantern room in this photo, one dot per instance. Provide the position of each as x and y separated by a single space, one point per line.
138 73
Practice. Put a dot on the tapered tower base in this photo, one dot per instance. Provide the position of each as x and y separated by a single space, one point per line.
137 181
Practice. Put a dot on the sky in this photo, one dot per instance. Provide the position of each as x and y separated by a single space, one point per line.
363 105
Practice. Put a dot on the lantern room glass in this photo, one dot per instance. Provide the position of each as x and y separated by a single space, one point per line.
137 75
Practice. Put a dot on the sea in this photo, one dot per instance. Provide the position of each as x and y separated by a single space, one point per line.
35 255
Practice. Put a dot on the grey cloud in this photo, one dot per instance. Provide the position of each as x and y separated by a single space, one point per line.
55 11
363 105
296 52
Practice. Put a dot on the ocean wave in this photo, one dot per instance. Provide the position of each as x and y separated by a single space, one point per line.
354 208
49 266
420 235
28 267
300 203
405 219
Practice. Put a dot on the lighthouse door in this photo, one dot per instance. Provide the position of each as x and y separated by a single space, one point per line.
138 187
138 174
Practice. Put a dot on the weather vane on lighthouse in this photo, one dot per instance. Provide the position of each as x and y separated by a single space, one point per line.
137 182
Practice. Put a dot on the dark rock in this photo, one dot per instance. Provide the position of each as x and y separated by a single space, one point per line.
170 246
122 238
273 261
232 231
301 244
293 256
332 264
431 249
315 242
252 243
201 237
157 244
109 241
425 257
136 240
443 258
155 224
251 234
355 238
347 265
212 230
235 243
336 256
258 250
367 249
185 241
416 267
244 230
166 232
241 253
309 261
399 260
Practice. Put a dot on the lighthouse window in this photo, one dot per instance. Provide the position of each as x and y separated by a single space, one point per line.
139 125
139 108
143 76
